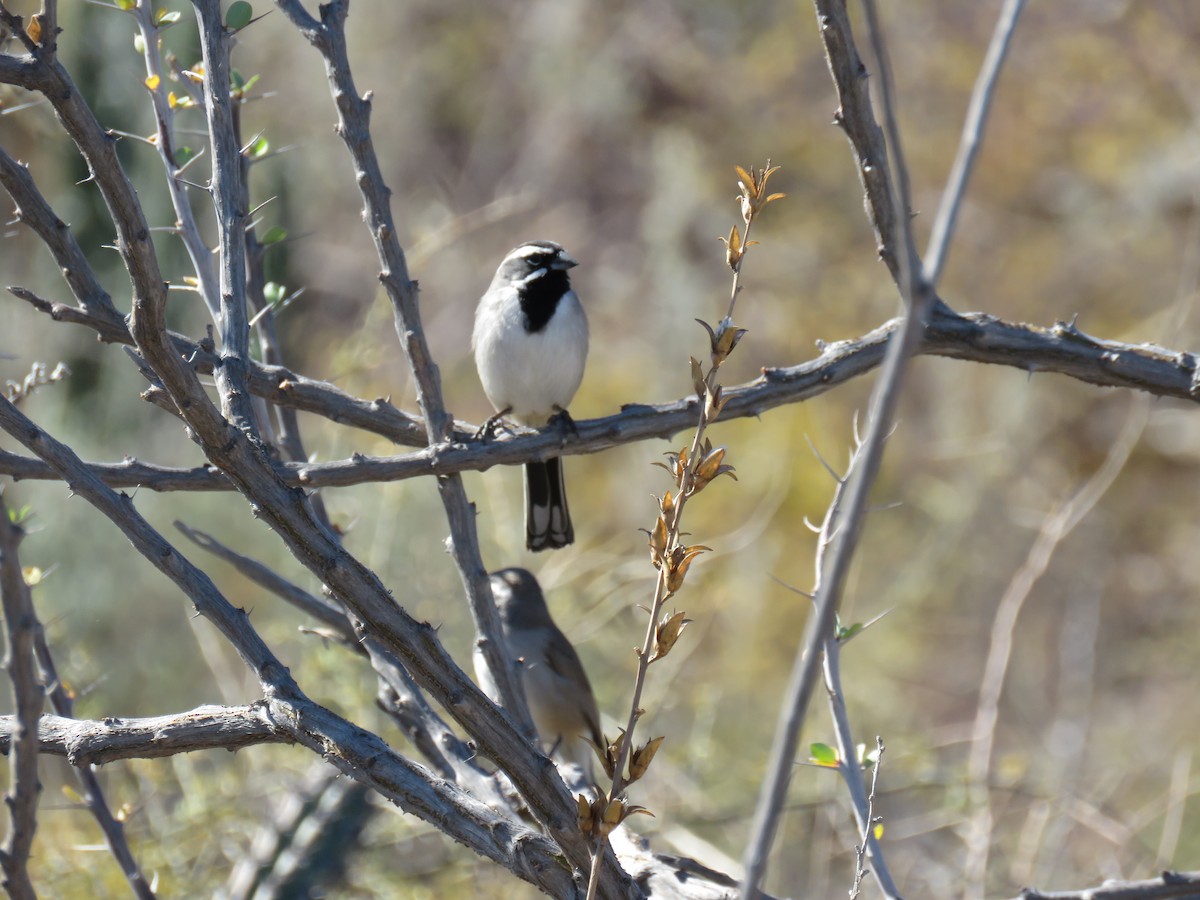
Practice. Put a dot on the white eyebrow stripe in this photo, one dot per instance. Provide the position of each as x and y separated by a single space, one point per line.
532 276
525 251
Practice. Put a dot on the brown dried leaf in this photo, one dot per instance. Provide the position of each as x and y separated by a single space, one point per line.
658 542
733 248
678 562
666 633
697 376
706 469
729 338
640 759
584 811
713 403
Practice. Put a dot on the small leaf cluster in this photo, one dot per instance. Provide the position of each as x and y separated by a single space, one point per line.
600 816
752 196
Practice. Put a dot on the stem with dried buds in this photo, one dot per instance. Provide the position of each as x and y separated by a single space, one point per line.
692 469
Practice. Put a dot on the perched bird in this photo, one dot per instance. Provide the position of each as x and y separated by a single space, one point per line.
531 343
556 687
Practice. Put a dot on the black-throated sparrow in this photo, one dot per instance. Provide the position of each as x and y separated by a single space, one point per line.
556 687
531 343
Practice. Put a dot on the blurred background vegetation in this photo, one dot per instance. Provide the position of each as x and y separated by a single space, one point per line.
613 129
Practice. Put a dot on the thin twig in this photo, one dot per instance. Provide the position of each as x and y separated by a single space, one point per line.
849 767
354 109
93 796
869 820
164 116
969 143
1056 527
399 695
267 578
918 300
692 470
226 189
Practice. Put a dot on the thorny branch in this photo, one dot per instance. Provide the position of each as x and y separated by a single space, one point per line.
29 695
360 754
354 110
974 337
1062 348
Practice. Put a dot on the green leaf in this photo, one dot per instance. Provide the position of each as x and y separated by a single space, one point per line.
250 82
183 154
274 292
274 235
237 81
238 15
125 4
823 755
163 17
844 634
17 516
259 148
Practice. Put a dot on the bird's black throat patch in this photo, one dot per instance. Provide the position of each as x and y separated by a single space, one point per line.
539 298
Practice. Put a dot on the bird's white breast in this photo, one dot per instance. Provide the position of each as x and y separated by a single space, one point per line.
533 373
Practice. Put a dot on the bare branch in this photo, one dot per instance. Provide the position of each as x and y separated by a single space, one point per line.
1055 528
352 584
354 110
850 768
307 839
92 743
972 137
399 695
918 301
270 580
164 115
20 628
1168 886
62 702
227 193
34 211
975 337
358 753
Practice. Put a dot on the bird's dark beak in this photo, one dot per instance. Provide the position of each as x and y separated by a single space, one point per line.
562 262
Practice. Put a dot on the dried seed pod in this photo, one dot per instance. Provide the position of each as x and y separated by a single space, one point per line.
641 758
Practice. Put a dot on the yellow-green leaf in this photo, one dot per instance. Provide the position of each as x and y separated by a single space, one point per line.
823 755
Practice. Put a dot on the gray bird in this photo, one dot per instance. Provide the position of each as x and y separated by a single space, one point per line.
559 693
531 344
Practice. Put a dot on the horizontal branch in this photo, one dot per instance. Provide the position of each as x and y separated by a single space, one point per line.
1178 885
95 742
974 337
276 384
86 742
